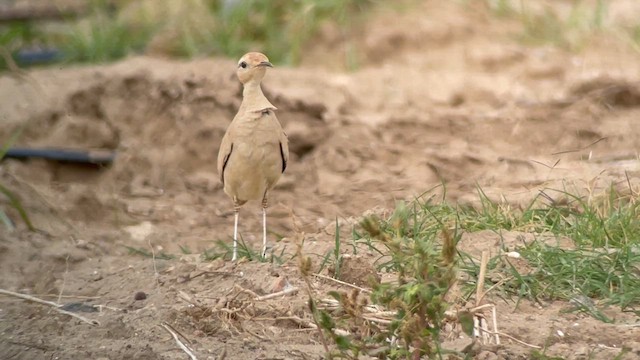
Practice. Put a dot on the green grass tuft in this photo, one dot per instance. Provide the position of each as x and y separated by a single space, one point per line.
224 250
148 254
190 28
14 200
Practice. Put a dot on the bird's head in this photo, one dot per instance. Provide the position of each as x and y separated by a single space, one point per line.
252 66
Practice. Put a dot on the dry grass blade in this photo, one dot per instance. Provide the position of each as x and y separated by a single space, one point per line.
514 339
48 303
483 271
370 312
13 199
580 149
284 292
15 203
342 283
182 345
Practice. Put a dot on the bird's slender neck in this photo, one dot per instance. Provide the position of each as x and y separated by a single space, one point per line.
253 100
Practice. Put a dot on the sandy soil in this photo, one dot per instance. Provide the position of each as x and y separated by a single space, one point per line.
448 97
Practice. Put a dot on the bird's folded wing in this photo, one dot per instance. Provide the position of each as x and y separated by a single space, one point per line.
284 149
226 147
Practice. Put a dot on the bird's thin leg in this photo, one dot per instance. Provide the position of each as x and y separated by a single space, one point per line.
264 226
236 213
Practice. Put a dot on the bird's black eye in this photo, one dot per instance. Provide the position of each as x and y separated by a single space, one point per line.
243 65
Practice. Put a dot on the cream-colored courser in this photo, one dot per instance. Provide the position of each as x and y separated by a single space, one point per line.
255 149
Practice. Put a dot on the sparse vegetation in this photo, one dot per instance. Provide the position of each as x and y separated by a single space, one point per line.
12 197
568 31
223 249
418 243
187 29
426 272
602 228
568 27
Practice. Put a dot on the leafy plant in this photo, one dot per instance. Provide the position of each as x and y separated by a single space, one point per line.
425 274
424 260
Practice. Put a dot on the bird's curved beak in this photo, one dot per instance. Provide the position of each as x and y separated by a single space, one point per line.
266 64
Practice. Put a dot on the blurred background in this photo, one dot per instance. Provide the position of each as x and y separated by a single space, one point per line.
97 31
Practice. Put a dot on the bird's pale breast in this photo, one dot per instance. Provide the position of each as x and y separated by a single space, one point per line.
255 164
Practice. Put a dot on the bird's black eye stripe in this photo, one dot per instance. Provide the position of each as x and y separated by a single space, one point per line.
243 64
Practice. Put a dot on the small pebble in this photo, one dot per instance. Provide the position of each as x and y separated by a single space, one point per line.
140 295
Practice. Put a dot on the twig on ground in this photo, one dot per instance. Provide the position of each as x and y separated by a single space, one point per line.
508 278
64 278
342 283
101 307
514 339
307 324
603 346
580 149
80 297
182 345
247 291
480 326
207 272
302 322
49 303
29 345
475 309
630 325
290 290
377 320
494 320
259 337
483 271
184 296
153 258
480 329
495 324
333 304
179 333
223 354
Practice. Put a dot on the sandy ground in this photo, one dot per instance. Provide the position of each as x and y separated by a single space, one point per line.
446 98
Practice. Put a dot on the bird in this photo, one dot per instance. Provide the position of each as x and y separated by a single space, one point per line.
254 150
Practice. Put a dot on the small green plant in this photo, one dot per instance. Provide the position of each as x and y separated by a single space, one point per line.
537 355
148 254
185 249
424 259
337 254
223 250
14 200
426 272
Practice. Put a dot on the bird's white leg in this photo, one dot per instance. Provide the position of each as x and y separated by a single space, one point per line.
236 212
264 226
